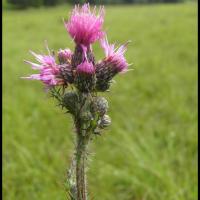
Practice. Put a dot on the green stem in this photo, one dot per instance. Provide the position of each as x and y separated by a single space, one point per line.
71 177
80 167
83 135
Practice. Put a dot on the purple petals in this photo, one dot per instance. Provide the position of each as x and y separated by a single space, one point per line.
65 55
49 70
86 68
84 26
115 55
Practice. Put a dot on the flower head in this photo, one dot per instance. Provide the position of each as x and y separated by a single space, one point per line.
85 76
115 56
65 55
84 26
85 68
49 70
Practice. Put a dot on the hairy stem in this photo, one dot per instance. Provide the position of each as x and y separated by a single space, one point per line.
80 167
82 122
71 177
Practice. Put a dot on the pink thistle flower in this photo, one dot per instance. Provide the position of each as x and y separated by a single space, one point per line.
85 68
65 55
115 56
49 70
85 77
84 26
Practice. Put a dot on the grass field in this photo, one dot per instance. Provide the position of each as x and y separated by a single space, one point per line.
149 152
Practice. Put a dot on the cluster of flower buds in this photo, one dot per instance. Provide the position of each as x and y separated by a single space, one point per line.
79 68
90 112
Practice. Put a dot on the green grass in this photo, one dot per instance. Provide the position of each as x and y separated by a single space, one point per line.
149 152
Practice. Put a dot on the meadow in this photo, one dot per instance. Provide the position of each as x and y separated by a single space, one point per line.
150 150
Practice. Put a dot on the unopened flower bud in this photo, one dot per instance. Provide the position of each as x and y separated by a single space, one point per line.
64 56
70 101
105 122
66 73
101 105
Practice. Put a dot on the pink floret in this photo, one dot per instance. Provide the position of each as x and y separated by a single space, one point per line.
65 54
49 70
115 55
84 26
86 68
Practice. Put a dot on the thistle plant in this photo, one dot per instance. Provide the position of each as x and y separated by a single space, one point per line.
74 78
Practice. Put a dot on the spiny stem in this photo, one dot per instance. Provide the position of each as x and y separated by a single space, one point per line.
82 140
71 179
88 115
80 167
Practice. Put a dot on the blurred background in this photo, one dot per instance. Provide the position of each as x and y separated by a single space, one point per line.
150 150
